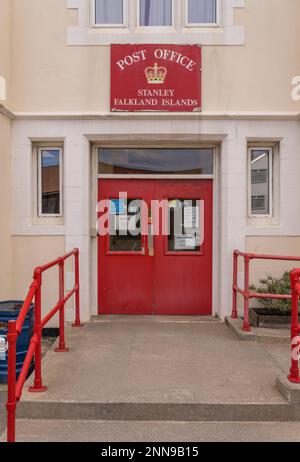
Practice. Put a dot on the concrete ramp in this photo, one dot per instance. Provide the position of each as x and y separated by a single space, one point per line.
162 369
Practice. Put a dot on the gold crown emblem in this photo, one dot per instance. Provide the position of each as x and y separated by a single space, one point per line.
155 74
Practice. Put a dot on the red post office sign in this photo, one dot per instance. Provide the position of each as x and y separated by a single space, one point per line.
156 78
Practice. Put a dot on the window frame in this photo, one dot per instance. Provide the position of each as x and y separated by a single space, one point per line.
39 182
271 175
217 23
96 25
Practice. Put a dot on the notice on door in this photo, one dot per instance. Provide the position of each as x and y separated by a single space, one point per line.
156 78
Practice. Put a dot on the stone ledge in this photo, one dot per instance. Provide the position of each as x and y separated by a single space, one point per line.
291 391
262 335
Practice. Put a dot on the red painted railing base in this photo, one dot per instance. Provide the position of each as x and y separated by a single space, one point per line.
247 329
37 390
293 379
61 350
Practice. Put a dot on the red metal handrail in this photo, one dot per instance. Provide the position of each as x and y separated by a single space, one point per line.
15 387
247 294
295 327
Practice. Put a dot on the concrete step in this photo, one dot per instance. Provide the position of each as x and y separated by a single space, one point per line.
124 431
193 412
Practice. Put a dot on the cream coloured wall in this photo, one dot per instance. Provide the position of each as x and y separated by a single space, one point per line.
5 214
32 251
5 46
275 245
49 75
5 145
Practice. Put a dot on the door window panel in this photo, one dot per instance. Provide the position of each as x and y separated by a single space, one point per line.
184 225
156 161
125 225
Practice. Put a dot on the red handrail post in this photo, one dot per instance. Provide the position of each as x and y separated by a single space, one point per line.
38 383
246 325
234 313
295 340
11 385
62 346
77 293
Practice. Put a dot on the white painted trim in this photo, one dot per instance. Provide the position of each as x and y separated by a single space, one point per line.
209 115
39 190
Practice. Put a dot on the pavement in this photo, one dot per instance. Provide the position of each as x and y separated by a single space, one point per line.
155 431
2 408
137 378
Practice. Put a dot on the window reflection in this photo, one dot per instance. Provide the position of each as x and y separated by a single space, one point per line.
125 225
260 180
184 225
156 13
109 11
202 11
50 181
156 161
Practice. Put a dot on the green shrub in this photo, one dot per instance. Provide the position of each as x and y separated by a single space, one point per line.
274 286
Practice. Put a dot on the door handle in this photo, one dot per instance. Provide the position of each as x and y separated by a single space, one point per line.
150 239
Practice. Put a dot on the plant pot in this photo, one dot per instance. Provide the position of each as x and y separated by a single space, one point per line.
261 317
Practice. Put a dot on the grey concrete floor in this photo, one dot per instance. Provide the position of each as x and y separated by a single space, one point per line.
2 407
99 431
161 360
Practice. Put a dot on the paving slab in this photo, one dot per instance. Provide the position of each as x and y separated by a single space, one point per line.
131 361
156 431
3 395
153 368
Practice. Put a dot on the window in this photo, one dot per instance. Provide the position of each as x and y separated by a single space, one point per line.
156 161
155 13
181 22
185 232
261 181
109 13
49 181
125 225
201 12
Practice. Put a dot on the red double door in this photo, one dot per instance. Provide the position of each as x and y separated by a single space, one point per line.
155 272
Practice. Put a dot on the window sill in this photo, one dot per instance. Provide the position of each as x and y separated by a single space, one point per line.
48 221
207 36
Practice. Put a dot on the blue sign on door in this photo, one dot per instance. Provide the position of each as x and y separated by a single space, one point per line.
118 206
